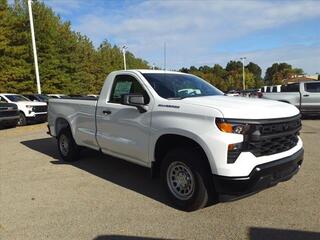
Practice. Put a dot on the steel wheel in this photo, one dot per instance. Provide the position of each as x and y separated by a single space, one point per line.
64 145
180 180
22 120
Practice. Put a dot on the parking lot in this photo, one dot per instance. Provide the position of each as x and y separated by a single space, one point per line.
100 197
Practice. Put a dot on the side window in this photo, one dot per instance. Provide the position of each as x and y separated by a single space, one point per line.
268 89
2 99
284 88
312 87
274 89
293 87
126 84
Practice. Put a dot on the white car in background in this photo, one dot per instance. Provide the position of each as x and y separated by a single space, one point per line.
56 95
28 110
233 93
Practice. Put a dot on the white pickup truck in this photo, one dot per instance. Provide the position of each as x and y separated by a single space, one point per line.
205 146
29 111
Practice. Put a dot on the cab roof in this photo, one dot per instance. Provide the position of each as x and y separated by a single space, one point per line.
142 71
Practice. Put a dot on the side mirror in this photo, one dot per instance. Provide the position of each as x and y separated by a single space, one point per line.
135 100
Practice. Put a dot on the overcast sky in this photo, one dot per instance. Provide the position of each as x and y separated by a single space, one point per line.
203 32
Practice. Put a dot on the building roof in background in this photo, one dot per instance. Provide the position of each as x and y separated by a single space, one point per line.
297 79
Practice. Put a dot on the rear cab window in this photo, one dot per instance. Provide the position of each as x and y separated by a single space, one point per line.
290 88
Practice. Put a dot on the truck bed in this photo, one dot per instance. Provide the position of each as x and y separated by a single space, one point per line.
79 111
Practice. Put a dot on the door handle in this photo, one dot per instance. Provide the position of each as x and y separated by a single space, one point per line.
306 95
106 112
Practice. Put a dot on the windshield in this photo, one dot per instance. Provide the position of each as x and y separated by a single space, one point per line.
17 98
178 86
43 97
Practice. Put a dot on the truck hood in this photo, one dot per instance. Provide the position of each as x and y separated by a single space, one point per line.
245 108
30 103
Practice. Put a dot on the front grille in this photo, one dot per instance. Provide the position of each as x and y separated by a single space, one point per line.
271 138
40 109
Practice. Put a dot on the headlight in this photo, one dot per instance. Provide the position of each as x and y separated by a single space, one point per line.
28 106
232 127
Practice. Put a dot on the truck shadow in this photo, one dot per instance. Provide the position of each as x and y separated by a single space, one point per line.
257 233
115 170
123 237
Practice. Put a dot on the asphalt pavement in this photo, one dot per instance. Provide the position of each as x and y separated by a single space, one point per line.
100 197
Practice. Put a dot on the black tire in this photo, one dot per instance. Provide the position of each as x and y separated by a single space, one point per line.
12 124
195 192
68 149
22 119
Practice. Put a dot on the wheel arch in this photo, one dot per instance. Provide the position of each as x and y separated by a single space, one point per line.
169 141
284 101
61 123
21 111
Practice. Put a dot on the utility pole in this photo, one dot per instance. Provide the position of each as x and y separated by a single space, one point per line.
165 56
124 48
243 73
35 56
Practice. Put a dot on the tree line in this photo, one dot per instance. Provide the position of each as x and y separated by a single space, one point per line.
230 77
68 61
70 64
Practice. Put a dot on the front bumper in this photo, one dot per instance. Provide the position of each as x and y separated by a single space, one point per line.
38 117
261 177
12 120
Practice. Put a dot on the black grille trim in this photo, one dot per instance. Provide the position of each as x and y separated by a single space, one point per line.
270 138
40 108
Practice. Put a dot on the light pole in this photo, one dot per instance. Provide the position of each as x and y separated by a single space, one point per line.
165 56
35 56
243 73
124 48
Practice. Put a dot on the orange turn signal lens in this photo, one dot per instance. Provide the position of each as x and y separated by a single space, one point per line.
225 127
230 147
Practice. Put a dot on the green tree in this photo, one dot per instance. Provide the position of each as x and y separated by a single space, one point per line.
278 72
256 71
68 61
15 54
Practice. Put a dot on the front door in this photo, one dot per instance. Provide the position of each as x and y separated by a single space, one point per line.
310 101
122 130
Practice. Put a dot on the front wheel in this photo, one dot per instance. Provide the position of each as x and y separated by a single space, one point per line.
185 179
22 119
68 149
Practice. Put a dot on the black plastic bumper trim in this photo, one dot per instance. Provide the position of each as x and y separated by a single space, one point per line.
261 177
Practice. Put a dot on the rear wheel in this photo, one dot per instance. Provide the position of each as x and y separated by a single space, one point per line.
22 119
185 179
68 149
